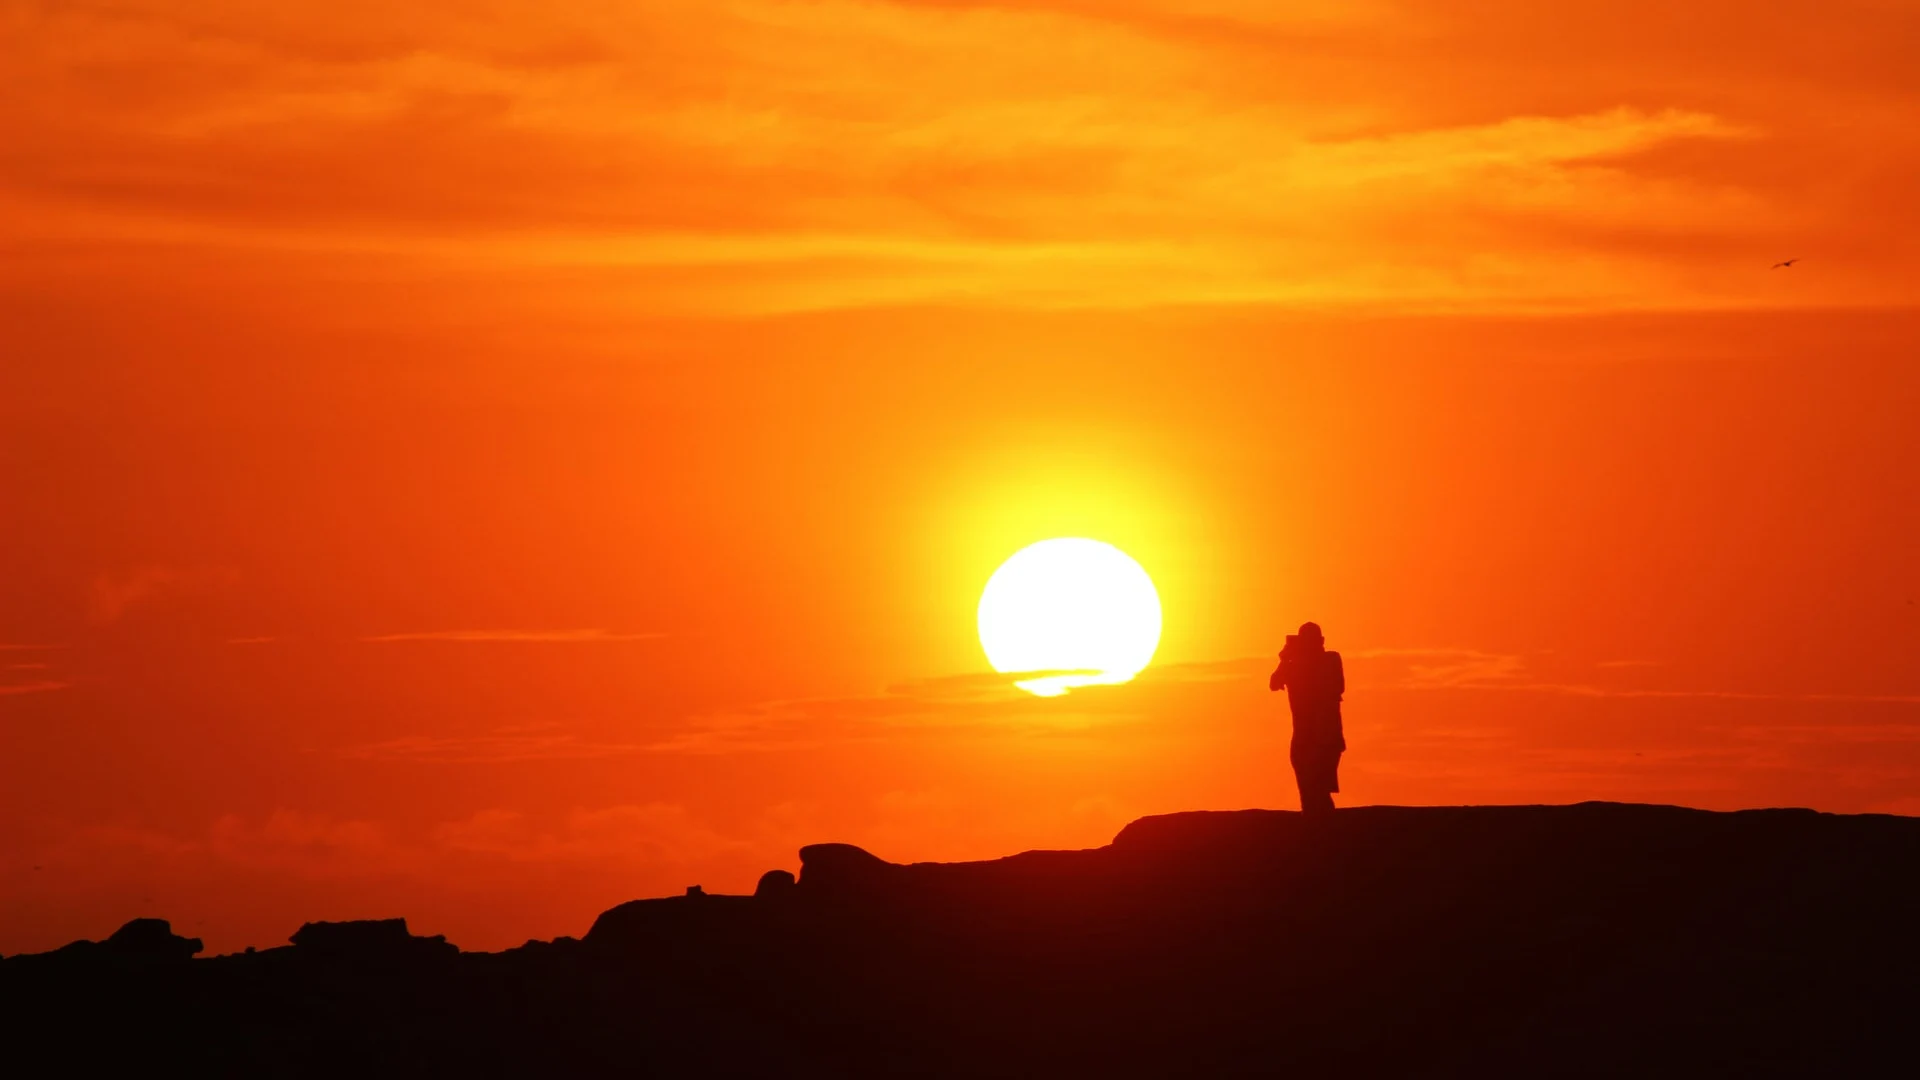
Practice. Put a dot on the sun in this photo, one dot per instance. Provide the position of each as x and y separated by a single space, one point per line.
1073 612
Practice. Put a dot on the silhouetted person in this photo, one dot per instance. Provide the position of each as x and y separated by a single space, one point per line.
1314 681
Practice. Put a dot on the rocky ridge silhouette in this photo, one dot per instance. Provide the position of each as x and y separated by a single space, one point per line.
1596 939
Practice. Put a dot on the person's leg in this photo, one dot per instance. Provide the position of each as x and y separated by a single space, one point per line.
1313 774
1318 783
1302 773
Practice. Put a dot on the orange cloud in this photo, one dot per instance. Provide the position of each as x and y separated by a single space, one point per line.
502 746
322 846
653 833
40 687
552 637
113 594
763 156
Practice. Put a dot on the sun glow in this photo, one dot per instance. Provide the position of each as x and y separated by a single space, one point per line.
1071 612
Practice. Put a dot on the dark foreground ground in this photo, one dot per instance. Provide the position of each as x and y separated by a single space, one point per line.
1598 939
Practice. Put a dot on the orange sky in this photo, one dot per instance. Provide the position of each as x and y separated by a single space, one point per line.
488 463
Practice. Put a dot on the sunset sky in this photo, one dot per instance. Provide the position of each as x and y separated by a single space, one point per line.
485 462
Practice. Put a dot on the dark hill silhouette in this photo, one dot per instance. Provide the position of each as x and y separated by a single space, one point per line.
1598 939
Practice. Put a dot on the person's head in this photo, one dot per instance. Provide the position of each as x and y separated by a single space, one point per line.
1307 640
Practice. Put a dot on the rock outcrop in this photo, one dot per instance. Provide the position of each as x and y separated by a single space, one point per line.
138 941
151 939
369 939
775 883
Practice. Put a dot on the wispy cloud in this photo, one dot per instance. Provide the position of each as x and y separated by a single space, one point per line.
1446 668
319 846
562 637
922 705
651 832
973 703
1473 669
44 686
39 675
492 747
989 704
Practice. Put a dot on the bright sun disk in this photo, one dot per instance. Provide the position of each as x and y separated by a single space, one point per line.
1073 612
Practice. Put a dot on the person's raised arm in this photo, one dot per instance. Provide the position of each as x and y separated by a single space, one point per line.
1339 677
1277 680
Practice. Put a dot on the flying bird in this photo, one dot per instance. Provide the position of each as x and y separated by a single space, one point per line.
1788 264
